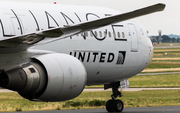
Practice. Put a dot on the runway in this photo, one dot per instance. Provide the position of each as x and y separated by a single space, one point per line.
132 89
101 89
167 109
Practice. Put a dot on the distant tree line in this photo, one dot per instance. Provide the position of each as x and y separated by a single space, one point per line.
165 39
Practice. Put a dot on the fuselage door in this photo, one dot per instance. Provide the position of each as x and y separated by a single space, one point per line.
134 37
6 24
16 26
11 24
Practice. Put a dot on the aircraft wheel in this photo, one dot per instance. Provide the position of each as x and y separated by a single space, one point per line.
109 106
118 106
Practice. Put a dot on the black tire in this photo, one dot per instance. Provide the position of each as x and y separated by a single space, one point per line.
118 106
109 106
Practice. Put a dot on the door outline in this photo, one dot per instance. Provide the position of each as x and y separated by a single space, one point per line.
134 37
17 27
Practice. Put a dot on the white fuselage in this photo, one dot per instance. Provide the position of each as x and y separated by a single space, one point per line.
111 53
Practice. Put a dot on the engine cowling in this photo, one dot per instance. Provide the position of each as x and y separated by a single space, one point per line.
51 77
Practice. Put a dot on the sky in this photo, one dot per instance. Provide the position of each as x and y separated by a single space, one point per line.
168 20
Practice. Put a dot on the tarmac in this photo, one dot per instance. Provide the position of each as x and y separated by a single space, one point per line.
166 109
101 89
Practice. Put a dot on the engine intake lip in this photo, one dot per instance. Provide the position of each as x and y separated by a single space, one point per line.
33 78
37 80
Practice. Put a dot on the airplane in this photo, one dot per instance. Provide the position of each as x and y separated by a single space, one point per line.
50 52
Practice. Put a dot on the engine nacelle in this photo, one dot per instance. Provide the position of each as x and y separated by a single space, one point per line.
51 77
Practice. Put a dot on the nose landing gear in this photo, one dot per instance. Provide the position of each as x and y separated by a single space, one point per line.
114 105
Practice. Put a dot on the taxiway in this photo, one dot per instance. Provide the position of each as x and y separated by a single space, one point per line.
167 109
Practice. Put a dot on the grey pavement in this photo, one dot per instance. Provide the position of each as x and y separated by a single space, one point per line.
101 89
132 89
166 109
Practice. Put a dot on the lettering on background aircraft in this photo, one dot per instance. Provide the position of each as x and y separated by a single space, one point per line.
104 32
51 19
81 56
18 21
116 30
3 31
70 21
38 28
88 56
78 17
95 56
52 22
67 19
100 57
110 57
121 57
83 34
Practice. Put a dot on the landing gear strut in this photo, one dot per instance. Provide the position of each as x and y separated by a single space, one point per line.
114 105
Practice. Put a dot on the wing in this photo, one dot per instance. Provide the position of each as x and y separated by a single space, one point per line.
20 43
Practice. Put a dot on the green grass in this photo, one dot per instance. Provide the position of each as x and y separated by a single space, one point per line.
168 52
88 100
169 55
151 81
166 49
171 52
169 80
159 65
166 56
95 86
167 61
168 44
152 98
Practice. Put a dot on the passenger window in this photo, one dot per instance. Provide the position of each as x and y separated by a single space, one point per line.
105 33
91 34
82 34
110 34
118 34
86 34
95 33
123 35
114 34
100 33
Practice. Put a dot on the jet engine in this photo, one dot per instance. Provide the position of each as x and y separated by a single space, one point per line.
50 77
